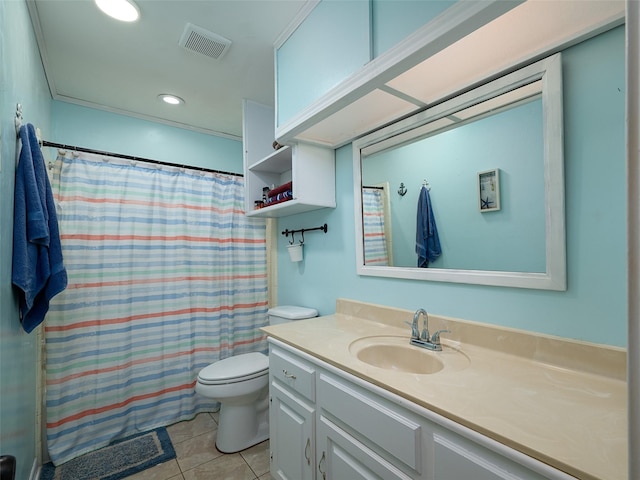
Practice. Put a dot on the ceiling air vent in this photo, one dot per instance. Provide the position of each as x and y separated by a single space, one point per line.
204 42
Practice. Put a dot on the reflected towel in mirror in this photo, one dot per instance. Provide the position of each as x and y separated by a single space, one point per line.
427 240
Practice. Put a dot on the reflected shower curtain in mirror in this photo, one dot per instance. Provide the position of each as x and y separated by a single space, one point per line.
375 241
166 275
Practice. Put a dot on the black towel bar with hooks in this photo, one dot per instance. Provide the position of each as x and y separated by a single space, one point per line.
302 230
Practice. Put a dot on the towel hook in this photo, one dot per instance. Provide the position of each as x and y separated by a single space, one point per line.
402 191
18 119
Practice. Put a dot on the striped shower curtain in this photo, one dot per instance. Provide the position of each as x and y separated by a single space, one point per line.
375 241
166 275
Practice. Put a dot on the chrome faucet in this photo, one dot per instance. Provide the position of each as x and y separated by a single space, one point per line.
425 324
422 339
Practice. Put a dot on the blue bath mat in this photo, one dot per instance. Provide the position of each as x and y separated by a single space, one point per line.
118 460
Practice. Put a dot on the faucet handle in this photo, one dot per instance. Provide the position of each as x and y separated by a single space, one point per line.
425 334
435 338
414 330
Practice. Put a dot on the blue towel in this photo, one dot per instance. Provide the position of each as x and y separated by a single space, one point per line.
427 241
38 270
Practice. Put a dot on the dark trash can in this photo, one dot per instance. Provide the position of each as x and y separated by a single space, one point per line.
7 467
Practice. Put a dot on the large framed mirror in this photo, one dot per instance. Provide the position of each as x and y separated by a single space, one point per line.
470 190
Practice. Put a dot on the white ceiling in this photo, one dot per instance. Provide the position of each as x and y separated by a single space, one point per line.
93 60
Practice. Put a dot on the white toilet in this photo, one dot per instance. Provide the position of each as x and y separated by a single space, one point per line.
241 385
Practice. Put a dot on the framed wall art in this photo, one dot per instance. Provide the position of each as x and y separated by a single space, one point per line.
489 190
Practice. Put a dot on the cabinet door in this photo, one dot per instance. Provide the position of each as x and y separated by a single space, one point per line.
382 426
459 458
258 133
331 44
292 435
342 457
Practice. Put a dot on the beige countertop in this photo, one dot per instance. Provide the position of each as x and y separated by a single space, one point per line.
559 401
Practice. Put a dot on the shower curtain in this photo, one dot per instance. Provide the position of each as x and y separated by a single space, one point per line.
375 241
166 275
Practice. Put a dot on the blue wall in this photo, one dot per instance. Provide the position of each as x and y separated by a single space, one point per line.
594 306
22 81
101 130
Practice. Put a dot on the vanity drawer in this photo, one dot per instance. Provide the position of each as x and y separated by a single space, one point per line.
387 429
297 374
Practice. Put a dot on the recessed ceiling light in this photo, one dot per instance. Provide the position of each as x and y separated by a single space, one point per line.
170 99
124 10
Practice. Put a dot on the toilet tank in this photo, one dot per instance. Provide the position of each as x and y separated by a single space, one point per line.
289 313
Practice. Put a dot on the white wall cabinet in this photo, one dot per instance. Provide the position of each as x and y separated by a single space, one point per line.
344 94
332 43
311 168
412 67
327 424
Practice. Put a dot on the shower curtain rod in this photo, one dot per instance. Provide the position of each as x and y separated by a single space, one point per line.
46 143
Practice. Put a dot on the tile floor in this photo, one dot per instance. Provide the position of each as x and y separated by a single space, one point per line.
198 459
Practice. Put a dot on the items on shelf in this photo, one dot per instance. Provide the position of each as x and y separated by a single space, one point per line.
279 194
274 195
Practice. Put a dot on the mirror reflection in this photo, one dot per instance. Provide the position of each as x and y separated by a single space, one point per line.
376 219
458 229
471 190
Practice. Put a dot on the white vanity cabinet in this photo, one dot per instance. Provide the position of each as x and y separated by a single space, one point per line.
291 416
310 168
328 424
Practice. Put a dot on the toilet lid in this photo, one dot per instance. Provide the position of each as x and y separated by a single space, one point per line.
235 369
292 312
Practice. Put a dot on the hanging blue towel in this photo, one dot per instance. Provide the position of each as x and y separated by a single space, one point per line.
427 241
38 271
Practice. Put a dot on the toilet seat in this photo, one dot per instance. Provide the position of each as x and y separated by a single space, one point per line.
235 369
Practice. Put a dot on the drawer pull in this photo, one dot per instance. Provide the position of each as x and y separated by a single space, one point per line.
289 375
306 451
321 466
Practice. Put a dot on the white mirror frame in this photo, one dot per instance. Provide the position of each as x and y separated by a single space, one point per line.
549 71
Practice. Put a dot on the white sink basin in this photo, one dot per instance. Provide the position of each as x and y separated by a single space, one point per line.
395 353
